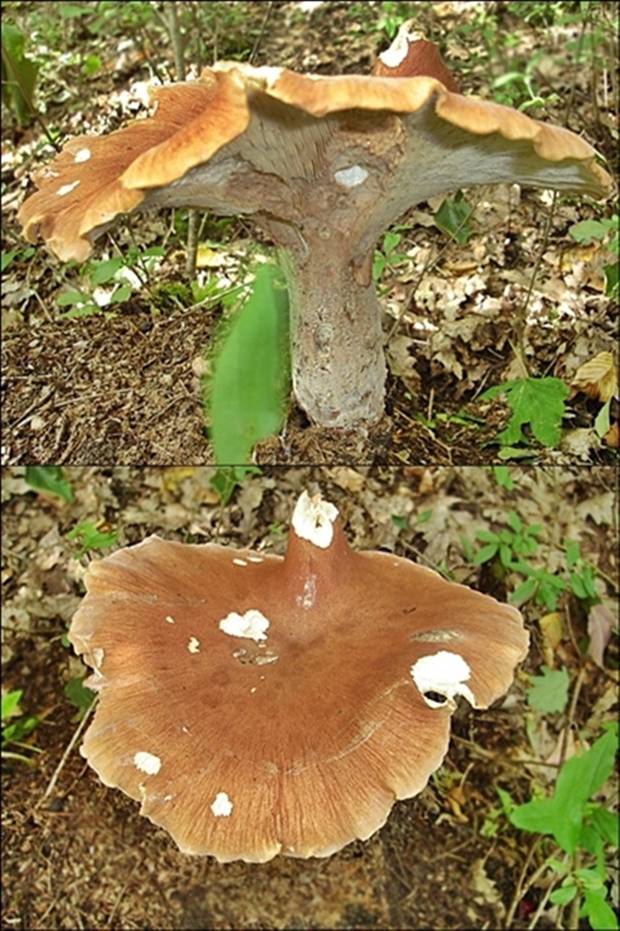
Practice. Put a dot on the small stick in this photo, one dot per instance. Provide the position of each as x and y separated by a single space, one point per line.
65 756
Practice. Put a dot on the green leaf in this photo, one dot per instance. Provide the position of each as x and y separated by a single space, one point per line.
51 480
538 816
90 538
538 402
121 293
587 230
503 477
247 394
483 555
105 271
487 536
91 65
584 774
10 702
19 74
71 10
563 895
549 693
18 729
79 695
601 423
606 823
67 298
573 552
514 521
600 915
7 258
453 218
524 591
612 279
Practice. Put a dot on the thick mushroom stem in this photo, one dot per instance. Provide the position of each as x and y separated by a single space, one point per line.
338 365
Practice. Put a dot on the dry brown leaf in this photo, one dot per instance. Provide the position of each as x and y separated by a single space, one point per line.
598 378
612 437
551 630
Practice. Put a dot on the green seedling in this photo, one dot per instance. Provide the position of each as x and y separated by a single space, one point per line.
49 480
15 727
453 218
88 537
580 831
387 256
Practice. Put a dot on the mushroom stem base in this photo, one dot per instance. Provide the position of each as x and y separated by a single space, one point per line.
336 342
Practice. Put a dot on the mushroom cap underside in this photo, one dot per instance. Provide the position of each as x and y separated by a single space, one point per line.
95 179
296 740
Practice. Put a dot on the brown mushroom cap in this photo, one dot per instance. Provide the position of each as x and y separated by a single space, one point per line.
207 135
259 705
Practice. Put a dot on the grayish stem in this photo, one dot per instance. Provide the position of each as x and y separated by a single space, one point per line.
337 356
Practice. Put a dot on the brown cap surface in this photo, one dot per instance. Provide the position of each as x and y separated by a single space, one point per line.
85 188
259 705
411 55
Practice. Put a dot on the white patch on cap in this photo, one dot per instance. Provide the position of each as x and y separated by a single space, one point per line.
147 762
252 625
240 562
222 805
313 519
445 673
255 558
66 188
82 155
193 645
397 52
169 619
307 598
351 177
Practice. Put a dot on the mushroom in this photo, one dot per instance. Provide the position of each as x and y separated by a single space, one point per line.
321 690
323 165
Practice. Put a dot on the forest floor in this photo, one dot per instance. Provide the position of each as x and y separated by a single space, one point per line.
520 297
81 856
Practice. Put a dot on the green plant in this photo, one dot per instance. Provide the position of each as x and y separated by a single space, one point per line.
509 544
604 231
88 537
582 830
453 218
15 727
387 256
49 480
19 74
122 274
537 403
582 574
509 549
22 255
246 394
79 695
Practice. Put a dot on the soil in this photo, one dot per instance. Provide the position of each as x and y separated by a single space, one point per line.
82 856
